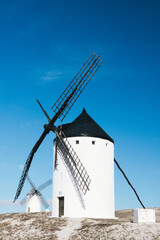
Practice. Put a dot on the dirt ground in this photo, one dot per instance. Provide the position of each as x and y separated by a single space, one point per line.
35 226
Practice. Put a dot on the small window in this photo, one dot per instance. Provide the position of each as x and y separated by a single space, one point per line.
77 141
93 142
106 144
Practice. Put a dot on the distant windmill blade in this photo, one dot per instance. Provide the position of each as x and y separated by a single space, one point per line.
28 197
77 85
32 191
73 163
31 183
23 201
43 200
44 185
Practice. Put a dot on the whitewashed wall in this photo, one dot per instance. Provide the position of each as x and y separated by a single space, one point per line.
34 204
98 160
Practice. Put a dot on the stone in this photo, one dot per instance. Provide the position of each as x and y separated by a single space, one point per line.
144 216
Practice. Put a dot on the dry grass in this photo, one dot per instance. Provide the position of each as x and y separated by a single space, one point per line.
29 226
35 226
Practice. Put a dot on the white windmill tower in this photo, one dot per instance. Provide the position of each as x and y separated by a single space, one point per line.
34 199
95 148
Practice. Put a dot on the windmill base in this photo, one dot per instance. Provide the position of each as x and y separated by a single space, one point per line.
144 216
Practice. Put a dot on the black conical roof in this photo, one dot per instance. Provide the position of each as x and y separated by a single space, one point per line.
84 125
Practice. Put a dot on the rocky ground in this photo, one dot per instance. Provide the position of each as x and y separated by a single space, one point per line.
35 226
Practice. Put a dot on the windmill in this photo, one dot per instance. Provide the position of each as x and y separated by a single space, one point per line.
61 108
95 148
96 151
78 170
34 198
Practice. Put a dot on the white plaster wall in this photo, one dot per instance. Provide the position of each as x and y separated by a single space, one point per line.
33 203
98 160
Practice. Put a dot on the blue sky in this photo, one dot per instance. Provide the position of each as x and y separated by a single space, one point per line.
43 44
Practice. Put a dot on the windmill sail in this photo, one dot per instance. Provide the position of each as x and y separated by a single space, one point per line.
43 201
31 183
28 163
44 185
73 163
62 107
77 85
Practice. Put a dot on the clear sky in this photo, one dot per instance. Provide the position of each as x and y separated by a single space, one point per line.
43 44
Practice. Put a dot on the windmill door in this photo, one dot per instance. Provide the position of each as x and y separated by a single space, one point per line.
61 206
